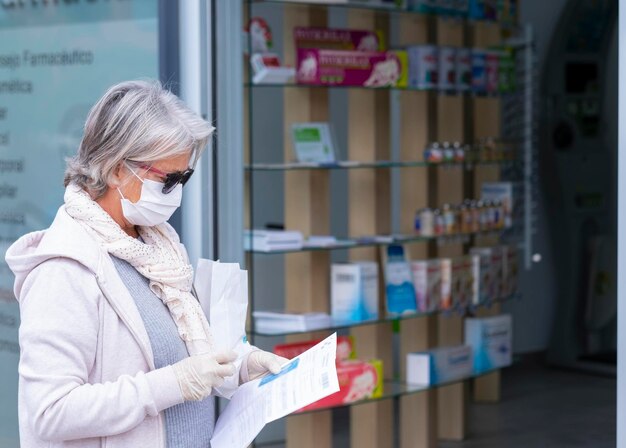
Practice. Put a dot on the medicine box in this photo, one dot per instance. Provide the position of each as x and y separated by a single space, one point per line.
477 288
487 273
345 348
461 281
338 39
399 286
439 365
348 68
354 291
446 284
358 380
502 192
491 341
427 283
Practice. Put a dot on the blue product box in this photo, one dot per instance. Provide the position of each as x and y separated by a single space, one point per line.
440 365
477 9
399 283
491 339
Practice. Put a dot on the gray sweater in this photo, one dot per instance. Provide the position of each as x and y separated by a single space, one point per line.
190 424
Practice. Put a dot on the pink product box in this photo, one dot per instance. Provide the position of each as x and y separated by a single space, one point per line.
338 39
347 68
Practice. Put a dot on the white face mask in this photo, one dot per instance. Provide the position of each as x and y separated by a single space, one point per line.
153 207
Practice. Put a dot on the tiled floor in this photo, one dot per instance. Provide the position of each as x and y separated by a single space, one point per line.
544 407
540 407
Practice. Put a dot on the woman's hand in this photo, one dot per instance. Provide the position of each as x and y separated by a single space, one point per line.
198 375
260 362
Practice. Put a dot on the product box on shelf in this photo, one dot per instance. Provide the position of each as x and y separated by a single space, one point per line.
354 291
348 68
439 365
398 282
339 39
345 348
427 284
423 66
477 9
506 71
463 69
492 69
491 340
358 380
461 287
494 254
476 294
446 284
424 6
479 70
483 278
447 68
502 192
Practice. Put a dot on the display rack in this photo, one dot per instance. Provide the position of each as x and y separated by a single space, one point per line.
383 129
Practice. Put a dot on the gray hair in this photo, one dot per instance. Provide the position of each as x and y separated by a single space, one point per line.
134 121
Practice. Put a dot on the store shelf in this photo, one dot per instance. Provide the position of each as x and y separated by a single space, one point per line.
387 241
397 389
339 325
344 5
382 164
389 9
293 85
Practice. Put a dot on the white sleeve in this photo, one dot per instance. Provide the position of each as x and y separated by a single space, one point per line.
58 339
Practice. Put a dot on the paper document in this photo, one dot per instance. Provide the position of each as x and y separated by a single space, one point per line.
304 380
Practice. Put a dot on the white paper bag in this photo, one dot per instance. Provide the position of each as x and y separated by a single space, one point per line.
222 290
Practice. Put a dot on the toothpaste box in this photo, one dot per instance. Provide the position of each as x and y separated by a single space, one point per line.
461 287
354 291
348 68
439 365
339 39
427 284
446 284
483 277
491 340
358 380
345 348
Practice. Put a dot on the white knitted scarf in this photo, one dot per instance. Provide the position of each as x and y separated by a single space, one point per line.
160 258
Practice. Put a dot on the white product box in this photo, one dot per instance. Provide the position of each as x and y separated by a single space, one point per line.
446 284
491 340
354 291
482 274
461 286
427 283
439 365
474 277
503 192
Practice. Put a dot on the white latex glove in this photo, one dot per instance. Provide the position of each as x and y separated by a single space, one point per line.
261 362
198 375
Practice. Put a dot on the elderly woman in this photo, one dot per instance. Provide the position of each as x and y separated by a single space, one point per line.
115 349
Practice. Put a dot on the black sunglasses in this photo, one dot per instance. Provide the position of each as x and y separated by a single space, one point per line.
170 179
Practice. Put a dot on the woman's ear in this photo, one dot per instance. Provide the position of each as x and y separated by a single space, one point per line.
116 175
